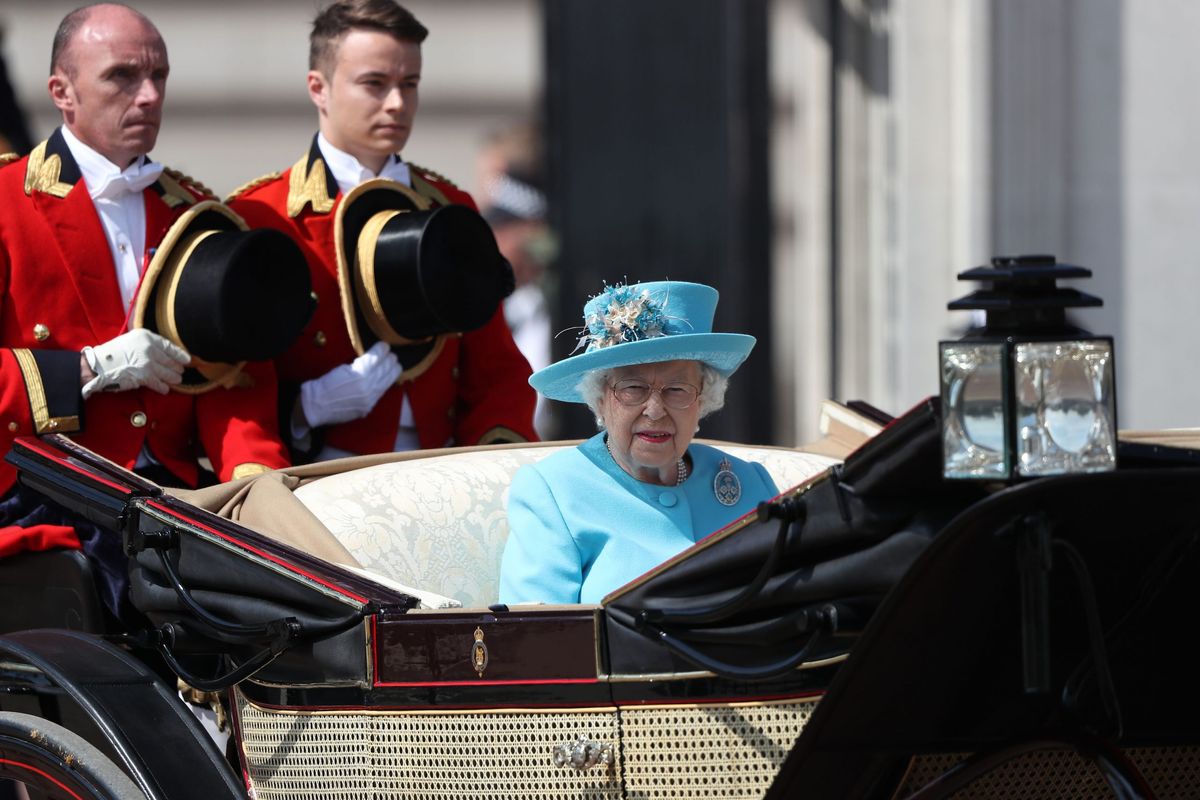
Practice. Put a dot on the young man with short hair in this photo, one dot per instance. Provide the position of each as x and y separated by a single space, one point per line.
456 389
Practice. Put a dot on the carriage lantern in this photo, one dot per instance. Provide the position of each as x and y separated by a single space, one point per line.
1027 394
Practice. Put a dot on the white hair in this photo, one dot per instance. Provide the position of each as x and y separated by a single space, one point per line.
713 384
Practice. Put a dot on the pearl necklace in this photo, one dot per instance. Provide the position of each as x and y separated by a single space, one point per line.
681 467
682 473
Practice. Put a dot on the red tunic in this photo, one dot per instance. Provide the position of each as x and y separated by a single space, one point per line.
59 293
471 389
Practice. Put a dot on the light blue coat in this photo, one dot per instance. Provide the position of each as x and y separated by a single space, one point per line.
580 526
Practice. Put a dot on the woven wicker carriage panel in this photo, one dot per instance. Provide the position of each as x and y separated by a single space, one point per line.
303 756
1172 772
710 751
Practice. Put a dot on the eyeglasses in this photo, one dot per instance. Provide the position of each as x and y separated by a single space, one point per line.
674 395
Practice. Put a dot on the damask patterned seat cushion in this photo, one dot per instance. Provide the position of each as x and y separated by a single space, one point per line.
439 524
788 468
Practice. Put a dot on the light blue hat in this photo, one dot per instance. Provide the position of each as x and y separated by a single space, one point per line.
642 324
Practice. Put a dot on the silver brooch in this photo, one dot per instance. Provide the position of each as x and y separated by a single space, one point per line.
726 485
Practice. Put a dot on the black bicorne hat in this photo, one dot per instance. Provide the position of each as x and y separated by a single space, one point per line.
225 294
410 274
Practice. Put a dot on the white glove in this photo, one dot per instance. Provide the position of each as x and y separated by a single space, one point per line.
134 359
351 390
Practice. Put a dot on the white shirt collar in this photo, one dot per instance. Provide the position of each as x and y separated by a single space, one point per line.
349 172
95 168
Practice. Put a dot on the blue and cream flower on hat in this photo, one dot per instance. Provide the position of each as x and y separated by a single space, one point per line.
644 323
621 314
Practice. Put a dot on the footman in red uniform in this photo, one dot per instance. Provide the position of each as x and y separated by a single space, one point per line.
339 396
83 215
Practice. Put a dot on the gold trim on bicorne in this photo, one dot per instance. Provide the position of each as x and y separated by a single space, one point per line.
173 253
366 289
42 421
223 375
501 433
418 369
166 252
248 469
345 289
308 188
42 173
164 300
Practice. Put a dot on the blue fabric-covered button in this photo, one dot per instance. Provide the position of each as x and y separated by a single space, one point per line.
668 499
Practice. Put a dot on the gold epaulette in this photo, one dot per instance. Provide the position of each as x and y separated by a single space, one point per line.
190 183
42 173
8 158
254 184
437 176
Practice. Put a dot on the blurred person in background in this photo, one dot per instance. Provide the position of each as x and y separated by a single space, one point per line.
513 201
454 389
14 134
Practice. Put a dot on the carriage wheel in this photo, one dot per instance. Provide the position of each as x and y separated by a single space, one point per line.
48 761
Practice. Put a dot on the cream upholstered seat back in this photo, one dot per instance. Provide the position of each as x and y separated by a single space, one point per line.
787 467
439 524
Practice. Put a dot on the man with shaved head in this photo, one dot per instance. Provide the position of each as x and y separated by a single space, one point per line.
83 213
108 77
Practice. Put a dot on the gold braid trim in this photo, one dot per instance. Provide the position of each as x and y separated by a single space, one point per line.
42 421
7 158
248 469
248 185
191 183
41 174
305 188
175 194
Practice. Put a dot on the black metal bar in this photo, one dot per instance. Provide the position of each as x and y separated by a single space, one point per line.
836 55
733 671
281 631
1096 637
1033 568
787 512
224 630
222 682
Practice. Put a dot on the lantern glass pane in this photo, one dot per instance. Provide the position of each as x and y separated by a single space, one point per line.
1066 407
973 411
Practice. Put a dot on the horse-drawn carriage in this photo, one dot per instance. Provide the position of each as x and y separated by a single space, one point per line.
745 663
876 631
